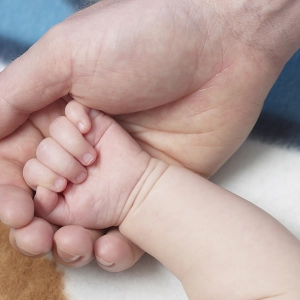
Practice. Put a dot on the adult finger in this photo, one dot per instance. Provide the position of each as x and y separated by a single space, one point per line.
74 245
16 206
32 81
115 253
34 240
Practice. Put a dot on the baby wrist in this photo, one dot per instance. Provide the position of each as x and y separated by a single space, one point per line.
156 168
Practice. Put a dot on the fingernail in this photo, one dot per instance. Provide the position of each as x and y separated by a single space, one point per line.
59 184
104 263
66 256
26 252
80 177
81 126
71 258
88 158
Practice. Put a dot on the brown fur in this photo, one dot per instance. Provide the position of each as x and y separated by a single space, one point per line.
23 278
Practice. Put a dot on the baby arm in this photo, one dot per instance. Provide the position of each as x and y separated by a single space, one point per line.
219 245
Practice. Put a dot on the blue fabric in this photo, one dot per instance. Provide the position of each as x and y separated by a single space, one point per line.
23 22
279 121
27 21
286 92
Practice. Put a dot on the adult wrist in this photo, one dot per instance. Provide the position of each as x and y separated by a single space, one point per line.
271 27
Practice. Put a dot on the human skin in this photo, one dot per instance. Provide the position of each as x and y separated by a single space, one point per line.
201 87
16 149
206 236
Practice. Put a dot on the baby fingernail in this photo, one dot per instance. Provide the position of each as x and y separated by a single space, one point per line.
88 158
81 126
80 177
59 184
104 263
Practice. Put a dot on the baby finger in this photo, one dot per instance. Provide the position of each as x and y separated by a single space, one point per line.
37 174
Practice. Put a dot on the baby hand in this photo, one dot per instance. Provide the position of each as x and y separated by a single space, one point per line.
98 196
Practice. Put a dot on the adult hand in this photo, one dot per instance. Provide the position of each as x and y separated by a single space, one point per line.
186 78
197 72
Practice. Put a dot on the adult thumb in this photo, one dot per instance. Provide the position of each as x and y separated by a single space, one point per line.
37 78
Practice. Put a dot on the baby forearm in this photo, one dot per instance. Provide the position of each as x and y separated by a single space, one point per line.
210 238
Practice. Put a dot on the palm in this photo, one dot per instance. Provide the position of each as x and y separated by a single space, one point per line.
186 96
